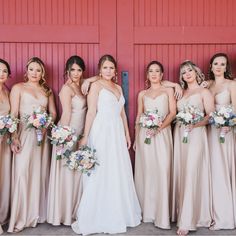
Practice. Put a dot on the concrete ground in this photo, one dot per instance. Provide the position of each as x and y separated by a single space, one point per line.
141 230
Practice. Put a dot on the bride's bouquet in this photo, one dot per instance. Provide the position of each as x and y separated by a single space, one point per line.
63 137
150 120
189 115
83 160
8 124
38 120
225 116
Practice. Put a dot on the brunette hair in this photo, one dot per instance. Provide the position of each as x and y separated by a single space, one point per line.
147 81
42 81
74 60
110 58
227 73
7 65
200 77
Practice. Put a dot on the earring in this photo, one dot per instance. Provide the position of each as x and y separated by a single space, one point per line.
26 77
147 85
116 78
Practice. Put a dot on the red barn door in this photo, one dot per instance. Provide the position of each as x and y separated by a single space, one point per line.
54 30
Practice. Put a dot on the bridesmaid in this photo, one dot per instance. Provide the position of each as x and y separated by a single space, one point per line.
223 162
153 162
192 205
5 151
31 163
62 207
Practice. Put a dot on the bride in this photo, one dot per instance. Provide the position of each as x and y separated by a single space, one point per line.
109 202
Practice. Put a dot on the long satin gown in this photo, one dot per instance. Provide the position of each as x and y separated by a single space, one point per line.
192 195
65 185
153 164
5 170
30 171
109 203
223 164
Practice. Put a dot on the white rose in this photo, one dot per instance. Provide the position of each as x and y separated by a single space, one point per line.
12 129
219 120
70 144
227 115
188 117
149 123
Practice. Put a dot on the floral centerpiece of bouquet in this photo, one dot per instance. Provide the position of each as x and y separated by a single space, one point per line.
38 120
8 124
83 160
189 115
63 137
224 117
150 120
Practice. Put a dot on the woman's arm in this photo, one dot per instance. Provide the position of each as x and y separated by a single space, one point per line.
233 94
52 107
139 112
178 90
86 84
207 83
15 104
208 102
125 123
172 109
91 113
65 96
15 99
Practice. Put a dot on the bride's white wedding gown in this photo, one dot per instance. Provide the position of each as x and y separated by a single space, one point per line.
109 203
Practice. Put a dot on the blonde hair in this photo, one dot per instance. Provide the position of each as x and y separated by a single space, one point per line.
200 77
42 81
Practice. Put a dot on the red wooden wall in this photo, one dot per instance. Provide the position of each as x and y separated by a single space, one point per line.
54 30
134 31
172 31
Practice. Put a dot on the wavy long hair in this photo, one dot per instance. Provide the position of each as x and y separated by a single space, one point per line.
200 77
227 73
42 81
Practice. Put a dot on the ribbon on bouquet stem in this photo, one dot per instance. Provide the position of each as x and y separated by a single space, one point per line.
39 135
185 138
222 136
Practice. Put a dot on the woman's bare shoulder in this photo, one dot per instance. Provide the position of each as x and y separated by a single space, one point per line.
18 87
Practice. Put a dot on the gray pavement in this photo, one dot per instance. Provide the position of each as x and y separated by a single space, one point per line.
141 230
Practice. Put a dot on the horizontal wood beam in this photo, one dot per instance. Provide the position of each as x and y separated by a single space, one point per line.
185 35
49 34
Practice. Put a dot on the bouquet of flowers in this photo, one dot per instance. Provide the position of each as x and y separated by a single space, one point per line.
189 115
64 138
83 160
8 124
150 120
39 120
225 116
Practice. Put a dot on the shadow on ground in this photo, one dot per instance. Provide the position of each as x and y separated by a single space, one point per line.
141 230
